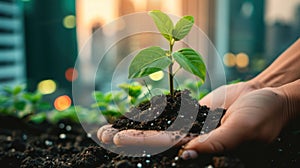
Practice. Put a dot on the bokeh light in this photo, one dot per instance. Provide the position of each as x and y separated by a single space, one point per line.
71 74
242 60
62 103
156 76
229 59
47 86
69 21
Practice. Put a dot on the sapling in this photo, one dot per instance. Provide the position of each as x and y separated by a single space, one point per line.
154 58
113 104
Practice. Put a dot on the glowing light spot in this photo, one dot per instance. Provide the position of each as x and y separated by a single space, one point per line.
47 86
242 60
156 76
69 21
229 59
71 74
62 103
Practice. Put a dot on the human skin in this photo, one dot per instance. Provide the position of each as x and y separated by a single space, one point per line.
257 116
256 110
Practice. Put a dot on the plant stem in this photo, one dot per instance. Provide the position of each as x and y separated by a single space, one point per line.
171 75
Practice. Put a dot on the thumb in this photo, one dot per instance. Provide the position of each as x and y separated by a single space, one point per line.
219 140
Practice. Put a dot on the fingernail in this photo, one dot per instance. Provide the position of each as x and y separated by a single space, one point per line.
189 154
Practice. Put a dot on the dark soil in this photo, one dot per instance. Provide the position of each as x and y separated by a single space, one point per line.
67 145
161 112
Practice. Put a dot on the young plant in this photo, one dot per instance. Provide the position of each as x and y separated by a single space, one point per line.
115 103
18 102
153 59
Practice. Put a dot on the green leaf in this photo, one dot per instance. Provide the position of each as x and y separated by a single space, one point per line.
183 27
235 81
111 113
3 99
163 23
99 104
16 90
108 97
20 105
118 96
131 89
33 97
8 90
99 96
148 61
44 106
38 118
69 114
191 61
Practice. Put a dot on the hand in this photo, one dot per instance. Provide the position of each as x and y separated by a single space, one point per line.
224 96
107 134
260 115
256 116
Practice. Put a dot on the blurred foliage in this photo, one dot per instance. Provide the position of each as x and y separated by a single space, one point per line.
15 101
115 103
29 106
194 87
235 81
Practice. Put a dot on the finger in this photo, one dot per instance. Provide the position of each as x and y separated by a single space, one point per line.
101 130
108 135
215 99
147 138
206 100
186 139
219 140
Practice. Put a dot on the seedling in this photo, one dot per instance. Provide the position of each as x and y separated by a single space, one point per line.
115 103
18 102
153 59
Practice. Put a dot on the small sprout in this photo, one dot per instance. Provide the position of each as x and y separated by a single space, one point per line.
115 103
18 102
154 59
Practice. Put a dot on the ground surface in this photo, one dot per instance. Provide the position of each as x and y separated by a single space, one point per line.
66 144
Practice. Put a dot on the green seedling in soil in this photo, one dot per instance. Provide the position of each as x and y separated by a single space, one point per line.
153 59
194 87
15 101
115 103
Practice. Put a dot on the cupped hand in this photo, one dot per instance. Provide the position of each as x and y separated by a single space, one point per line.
224 96
229 93
256 116
108 135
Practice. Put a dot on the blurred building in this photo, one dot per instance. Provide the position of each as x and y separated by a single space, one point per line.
51 44
38 38
241 31
251 34
12 57
281 32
